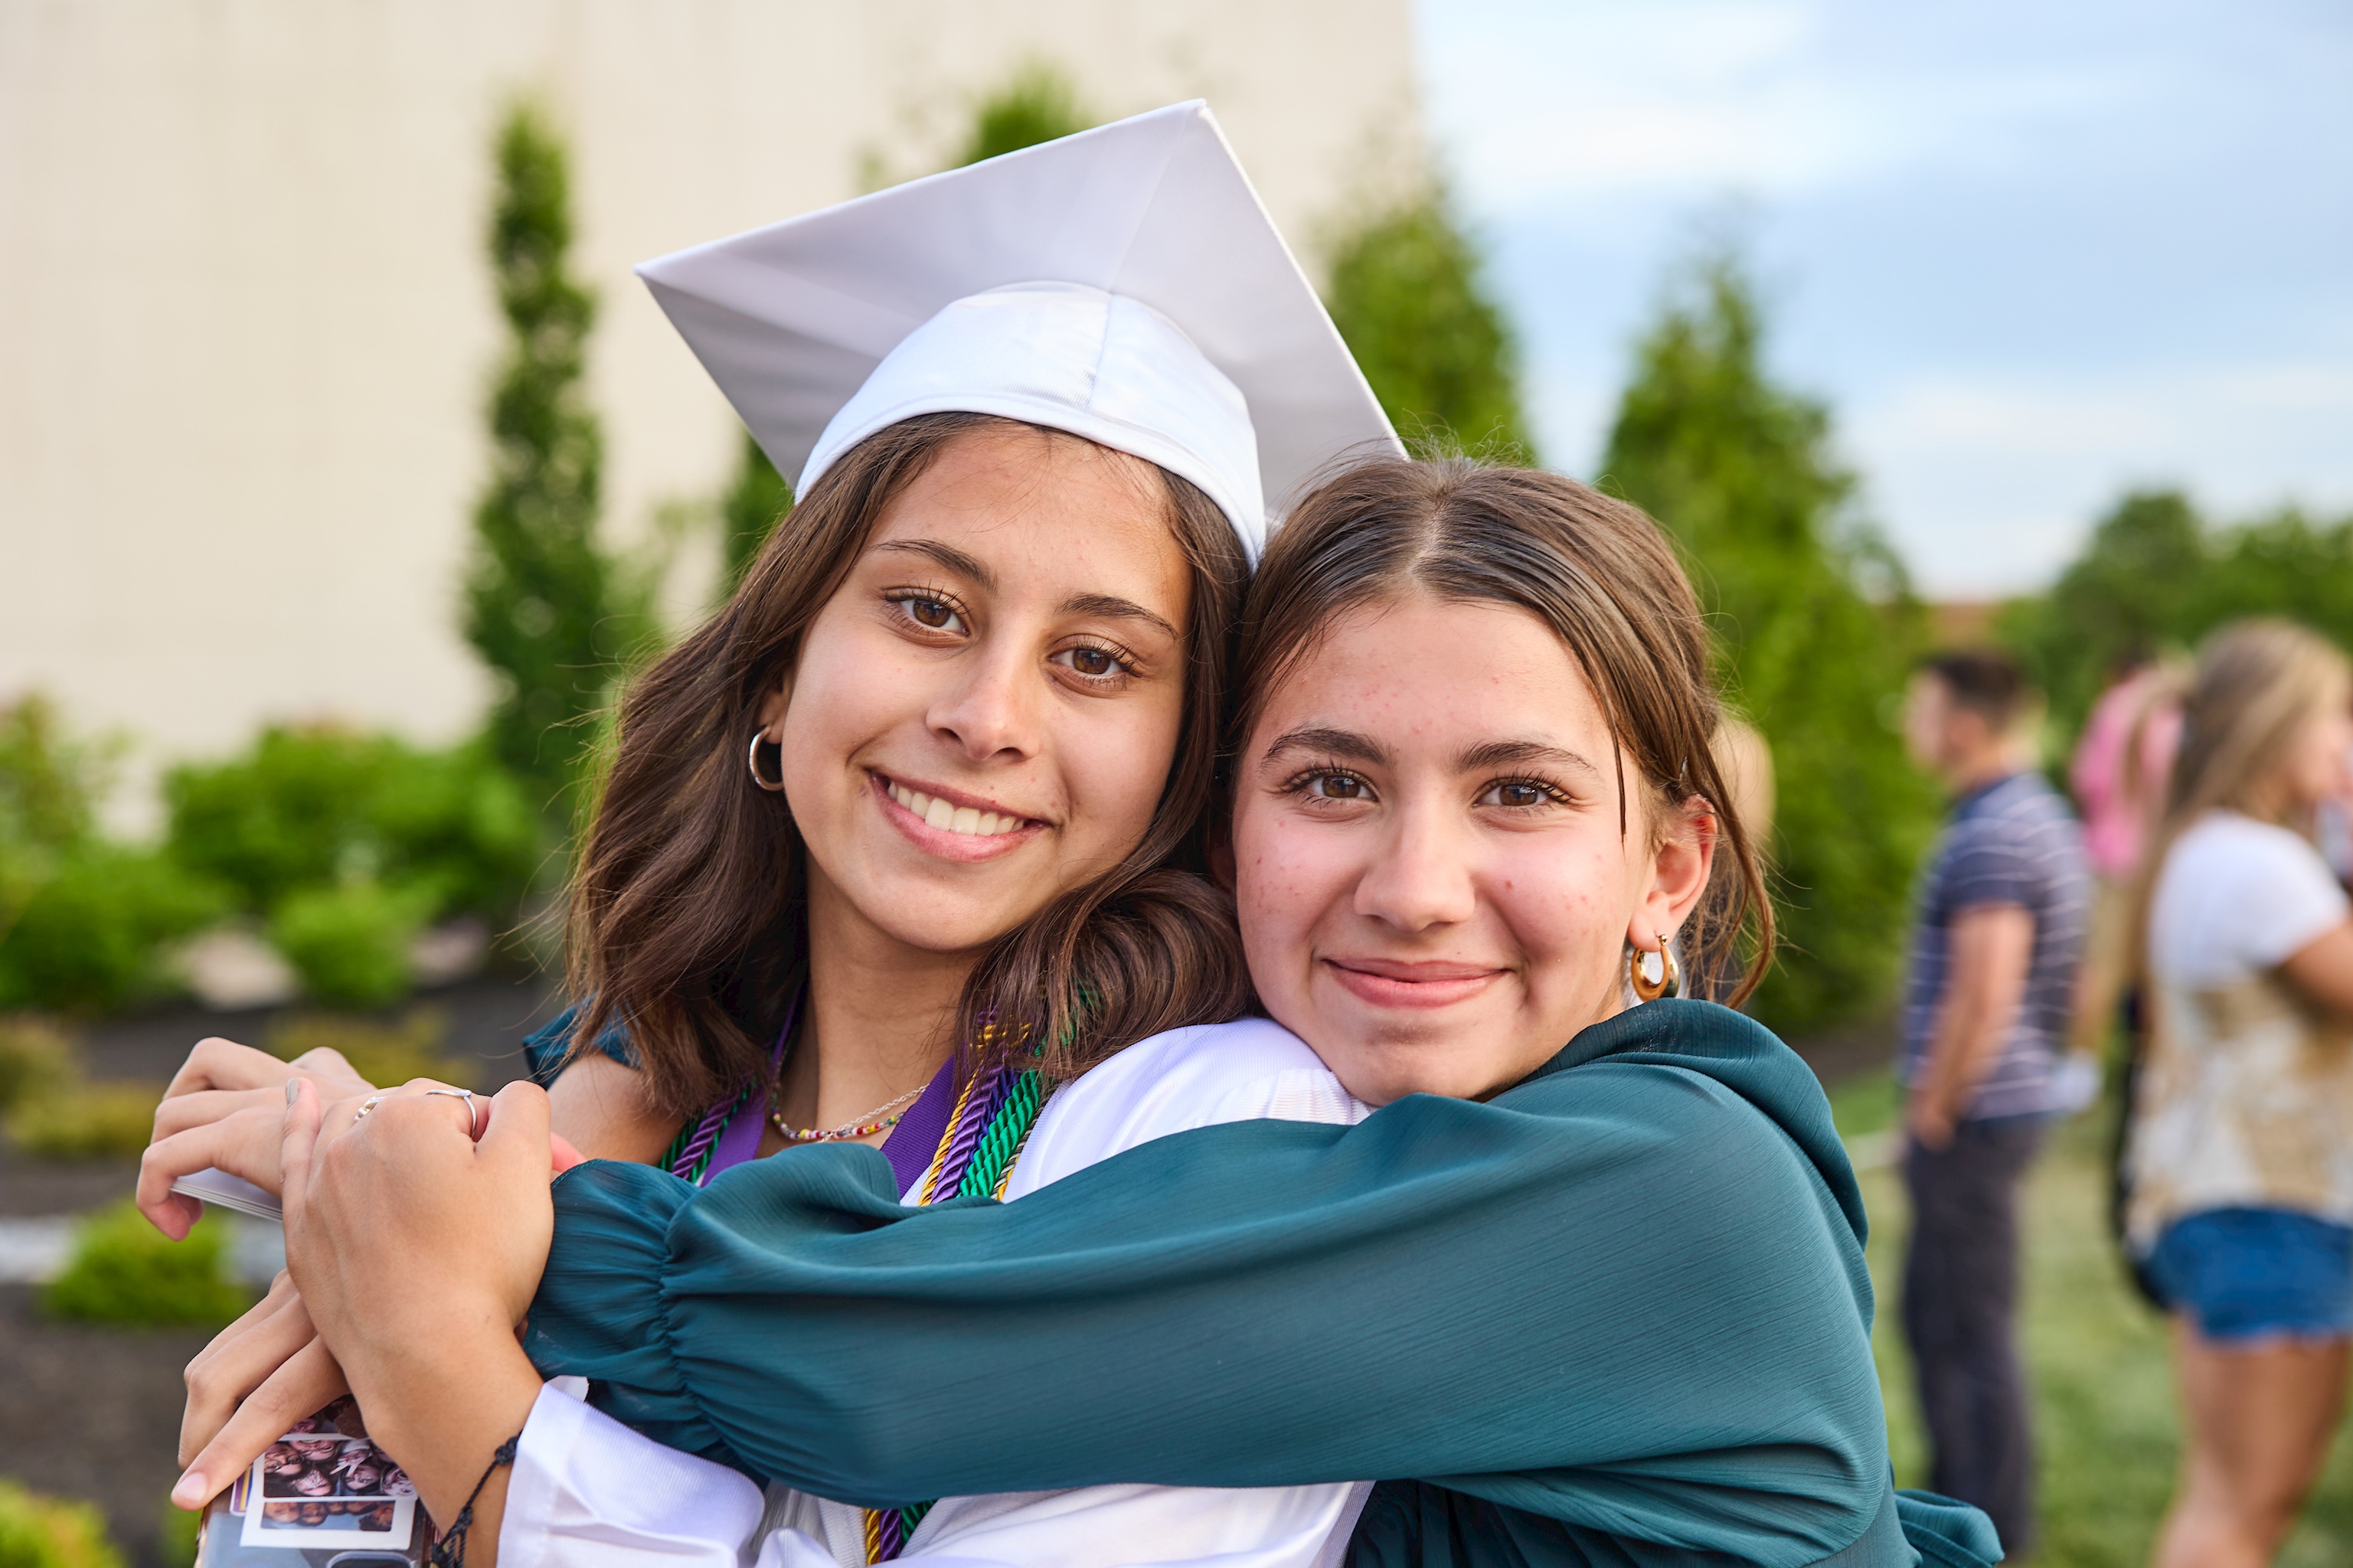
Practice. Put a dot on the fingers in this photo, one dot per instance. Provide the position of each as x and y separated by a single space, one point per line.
216 1063
298 1140
336 1077
239 1358
244 1144
179 1113
309 1381
516 1131
561 1155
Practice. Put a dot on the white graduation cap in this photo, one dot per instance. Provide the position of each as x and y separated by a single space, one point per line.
1124 284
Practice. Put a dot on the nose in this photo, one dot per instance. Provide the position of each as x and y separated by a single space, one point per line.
990 707
1421 878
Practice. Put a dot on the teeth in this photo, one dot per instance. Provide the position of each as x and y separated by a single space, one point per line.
962 819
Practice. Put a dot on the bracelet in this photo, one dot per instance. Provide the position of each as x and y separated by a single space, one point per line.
449 1551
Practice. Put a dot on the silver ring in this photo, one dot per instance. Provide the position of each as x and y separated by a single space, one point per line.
472 1121
365 1106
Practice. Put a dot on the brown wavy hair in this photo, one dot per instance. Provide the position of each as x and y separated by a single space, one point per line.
684 923
1598 572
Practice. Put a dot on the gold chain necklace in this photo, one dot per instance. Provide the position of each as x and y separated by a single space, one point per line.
878 1120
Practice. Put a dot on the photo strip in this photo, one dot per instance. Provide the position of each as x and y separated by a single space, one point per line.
317 1490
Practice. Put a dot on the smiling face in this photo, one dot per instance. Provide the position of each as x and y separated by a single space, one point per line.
984 714
1434 890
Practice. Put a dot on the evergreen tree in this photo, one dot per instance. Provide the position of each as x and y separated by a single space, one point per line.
2154 578
1407 296
1039 104
1740 471
750 511
541 604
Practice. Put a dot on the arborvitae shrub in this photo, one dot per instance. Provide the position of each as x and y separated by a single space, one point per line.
124 1271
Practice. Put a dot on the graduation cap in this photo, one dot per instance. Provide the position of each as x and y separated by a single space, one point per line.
1125 284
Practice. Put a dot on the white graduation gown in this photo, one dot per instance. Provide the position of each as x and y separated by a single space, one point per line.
588 1490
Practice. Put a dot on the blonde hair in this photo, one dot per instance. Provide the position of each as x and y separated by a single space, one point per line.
2256 686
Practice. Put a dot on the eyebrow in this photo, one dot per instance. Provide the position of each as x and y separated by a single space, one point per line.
947 557
1111 606
1344 743
1522 754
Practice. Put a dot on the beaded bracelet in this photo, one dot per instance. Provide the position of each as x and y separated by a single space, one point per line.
450 1551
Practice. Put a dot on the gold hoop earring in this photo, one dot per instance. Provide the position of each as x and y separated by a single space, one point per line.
1670 982
752 760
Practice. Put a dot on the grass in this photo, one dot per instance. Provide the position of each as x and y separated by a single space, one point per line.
2106 1423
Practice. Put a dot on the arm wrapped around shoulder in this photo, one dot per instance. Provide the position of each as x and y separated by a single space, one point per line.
1628 1296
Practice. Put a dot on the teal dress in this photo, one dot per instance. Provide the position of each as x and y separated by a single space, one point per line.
1616 1315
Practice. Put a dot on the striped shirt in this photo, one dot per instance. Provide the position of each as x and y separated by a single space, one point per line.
2011 842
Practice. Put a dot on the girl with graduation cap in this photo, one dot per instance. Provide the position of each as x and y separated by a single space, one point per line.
1263 1304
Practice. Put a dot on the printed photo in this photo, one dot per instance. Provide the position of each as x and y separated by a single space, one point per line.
316 1487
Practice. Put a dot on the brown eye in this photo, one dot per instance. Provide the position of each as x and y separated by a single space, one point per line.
1092 661
1520 795
931 613
1340 786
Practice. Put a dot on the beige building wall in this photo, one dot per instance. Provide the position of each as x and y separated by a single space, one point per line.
247 327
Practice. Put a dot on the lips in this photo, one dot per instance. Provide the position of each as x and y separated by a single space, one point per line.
947 817
1416 986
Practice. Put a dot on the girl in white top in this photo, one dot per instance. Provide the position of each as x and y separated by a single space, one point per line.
2240 1157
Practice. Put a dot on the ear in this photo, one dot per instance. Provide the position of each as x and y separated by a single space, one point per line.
773 707
1678 872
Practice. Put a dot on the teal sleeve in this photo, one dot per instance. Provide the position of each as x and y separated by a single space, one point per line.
1627 1298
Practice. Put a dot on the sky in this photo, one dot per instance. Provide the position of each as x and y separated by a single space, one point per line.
2031 255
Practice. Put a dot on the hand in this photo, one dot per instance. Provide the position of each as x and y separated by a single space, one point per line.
260 1375
416 1250
226 1109
1928 1119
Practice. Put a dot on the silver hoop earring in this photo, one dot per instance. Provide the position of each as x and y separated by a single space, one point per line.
753 761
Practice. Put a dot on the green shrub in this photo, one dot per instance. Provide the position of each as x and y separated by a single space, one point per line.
34 1057
93 936
383 1054
79 1121
175 1536
350 941
124 1271
39 1532
310 809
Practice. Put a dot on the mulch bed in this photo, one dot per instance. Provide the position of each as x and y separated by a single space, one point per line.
94 1413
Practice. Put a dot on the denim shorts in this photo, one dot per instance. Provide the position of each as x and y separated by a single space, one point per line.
2246 1275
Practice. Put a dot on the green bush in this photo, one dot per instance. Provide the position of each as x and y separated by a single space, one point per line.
82 920
310 808
175 1536
81 1121
350 941
39 1532
383 1054
34 1057
124 1271
93 935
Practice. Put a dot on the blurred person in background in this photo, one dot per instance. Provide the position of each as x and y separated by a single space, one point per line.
2240 1152
1994 952
2118 776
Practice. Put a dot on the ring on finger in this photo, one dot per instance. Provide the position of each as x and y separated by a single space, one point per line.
366 1106
472 1121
